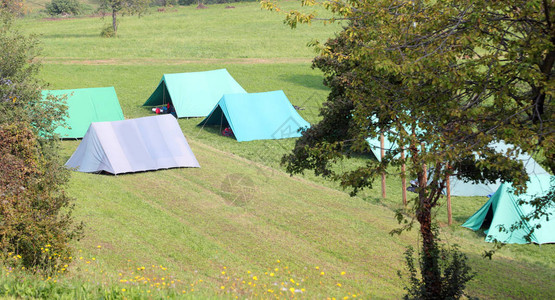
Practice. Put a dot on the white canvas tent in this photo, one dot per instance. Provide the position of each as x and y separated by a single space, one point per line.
135 145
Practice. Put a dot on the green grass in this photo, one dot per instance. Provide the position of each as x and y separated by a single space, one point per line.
194 223
184 33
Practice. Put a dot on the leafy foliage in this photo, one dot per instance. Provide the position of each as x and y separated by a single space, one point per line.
108 31
11 7
34 212
64 7
455 274
442 80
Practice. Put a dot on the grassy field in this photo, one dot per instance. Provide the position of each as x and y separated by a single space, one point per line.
239 217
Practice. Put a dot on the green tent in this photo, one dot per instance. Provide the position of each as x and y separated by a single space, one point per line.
86 106
194 94
503 210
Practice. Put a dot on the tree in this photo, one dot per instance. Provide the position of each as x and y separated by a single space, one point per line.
124 7
35 213
442 80
64 7
11 6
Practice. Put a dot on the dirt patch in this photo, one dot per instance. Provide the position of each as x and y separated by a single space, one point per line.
73 17
201 6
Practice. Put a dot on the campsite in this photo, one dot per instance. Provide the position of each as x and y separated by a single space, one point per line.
228 221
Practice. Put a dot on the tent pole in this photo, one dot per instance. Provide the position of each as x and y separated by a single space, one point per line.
382 146
448 183
403 177
221 122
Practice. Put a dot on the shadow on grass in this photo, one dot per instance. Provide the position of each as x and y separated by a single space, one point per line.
306 80
76 36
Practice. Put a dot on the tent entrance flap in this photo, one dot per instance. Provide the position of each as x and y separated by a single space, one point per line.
160 96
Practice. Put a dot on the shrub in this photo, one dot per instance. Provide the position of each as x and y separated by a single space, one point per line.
36 225
64 7
108 31
36 217
455 273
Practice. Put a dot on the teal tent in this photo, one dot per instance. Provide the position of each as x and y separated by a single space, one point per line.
86 106
257 116
376 147
194 94
503 210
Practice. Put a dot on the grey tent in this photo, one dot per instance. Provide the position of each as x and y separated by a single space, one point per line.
134 145
460 187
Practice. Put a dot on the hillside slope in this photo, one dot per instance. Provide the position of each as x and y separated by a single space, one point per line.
235 214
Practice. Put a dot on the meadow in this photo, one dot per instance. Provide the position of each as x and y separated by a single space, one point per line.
238 226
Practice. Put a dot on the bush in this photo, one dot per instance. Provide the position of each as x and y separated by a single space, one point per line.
455 273
64 7
36 225
36 218
108 31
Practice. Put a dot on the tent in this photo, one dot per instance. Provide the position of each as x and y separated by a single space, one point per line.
194 94
458 186
503 210
257 116
142 144
461 188
86 106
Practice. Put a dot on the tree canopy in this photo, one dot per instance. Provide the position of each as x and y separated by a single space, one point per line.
442 80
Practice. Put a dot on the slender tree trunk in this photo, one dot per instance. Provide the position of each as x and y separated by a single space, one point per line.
448 189
431 275
114 22
382 153
403 177
430 254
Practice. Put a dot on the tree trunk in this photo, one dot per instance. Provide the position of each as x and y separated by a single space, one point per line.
382 153
114 22
403 177
430 266
448 192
